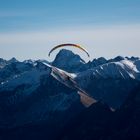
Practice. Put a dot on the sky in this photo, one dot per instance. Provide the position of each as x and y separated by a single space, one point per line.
106 28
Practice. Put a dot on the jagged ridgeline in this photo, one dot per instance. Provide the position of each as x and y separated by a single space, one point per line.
33 105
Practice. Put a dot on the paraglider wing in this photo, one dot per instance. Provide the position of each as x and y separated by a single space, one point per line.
73 45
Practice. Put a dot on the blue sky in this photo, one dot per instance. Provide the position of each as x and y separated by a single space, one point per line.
29 28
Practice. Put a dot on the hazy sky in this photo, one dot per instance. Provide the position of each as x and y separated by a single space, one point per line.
30 28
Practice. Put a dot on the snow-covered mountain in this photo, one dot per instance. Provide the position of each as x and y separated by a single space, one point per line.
124 69
110 82
99 77
30 95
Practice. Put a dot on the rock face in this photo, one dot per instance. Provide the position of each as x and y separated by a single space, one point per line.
33 105
68 61
98 122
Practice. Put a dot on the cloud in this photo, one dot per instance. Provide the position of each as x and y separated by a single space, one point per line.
107 41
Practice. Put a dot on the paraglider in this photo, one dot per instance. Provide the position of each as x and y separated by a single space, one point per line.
72 45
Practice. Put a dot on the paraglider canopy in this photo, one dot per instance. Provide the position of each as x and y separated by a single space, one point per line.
72 45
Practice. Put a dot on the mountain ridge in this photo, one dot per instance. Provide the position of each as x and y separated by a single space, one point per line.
30 97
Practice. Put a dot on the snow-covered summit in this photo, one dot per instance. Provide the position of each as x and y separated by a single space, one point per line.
123 69
110 82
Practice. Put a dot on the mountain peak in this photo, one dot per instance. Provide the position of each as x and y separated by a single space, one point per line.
13 60
117 59
67 54
132 58
67 60
98 61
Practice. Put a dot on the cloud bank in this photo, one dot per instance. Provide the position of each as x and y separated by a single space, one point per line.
107 41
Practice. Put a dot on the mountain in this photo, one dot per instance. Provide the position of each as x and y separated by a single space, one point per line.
33 105
68 61
111 82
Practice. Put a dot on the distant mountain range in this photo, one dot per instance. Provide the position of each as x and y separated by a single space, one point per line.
33 105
